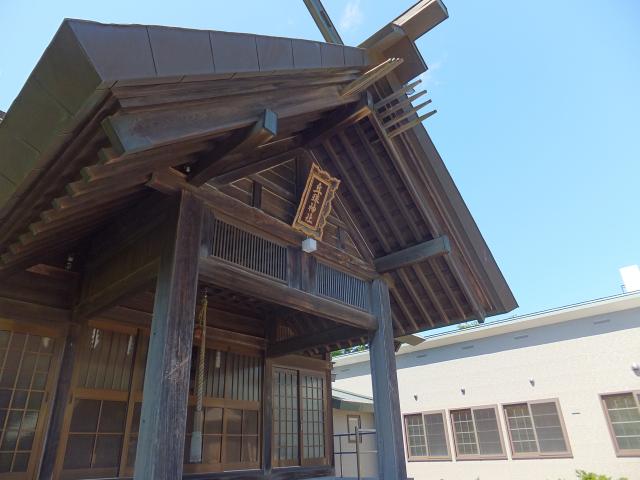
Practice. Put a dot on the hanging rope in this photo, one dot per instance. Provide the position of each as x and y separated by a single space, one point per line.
195 452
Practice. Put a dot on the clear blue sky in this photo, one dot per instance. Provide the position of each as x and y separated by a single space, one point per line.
538 115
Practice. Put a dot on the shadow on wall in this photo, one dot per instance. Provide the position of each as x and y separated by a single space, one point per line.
574 329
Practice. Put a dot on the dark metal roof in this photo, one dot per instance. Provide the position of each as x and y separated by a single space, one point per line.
86 59
167 86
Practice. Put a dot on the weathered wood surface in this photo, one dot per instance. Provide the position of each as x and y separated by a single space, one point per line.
285 473
124 259
134 132
255 220
221 273
60 401
414 254
309 342
388 418
166 385
242 142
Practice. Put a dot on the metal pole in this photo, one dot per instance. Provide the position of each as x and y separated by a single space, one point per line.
358 451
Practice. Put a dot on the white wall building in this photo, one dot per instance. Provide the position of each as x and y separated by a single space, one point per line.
534 397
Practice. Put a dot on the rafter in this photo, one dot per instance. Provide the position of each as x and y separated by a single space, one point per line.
311 340
339 120
250 166
242 142
414 254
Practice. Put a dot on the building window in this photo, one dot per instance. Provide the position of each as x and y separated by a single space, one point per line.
285 417
426 435
476 433
25 370
623 415
95 434
353 422
536 429
299 410
313 410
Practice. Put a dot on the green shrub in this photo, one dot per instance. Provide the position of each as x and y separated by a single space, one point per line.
582 475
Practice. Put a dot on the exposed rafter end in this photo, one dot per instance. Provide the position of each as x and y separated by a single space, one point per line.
309 342
407 126
339 120
476 308
242 142
370 77
412 255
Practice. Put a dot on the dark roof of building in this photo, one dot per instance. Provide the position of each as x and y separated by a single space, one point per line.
104 92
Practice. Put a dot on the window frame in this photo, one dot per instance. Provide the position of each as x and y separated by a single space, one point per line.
57 333
618 451
535 455
351 438
478 456
316 368
77 392
427 458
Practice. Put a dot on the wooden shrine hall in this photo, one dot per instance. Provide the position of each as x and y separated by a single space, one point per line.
191 221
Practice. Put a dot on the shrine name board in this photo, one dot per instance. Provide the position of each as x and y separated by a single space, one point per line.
315 204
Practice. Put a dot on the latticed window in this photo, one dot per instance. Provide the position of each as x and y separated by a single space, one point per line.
313 416
229 433
476 433
25 365
285 417
95 434
426 436
299 412
536 429
623 415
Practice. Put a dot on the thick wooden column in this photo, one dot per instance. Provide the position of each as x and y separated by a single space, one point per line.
60 402
166 384
391 463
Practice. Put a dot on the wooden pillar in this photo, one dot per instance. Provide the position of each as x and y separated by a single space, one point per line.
166 384
60 401
267 418
391 463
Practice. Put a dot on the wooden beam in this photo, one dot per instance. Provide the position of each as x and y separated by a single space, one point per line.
166 385
252 165
145 130
240 143
388 419
371 76
323 22
397 94
268 226
124 259
312 340
339 120
414 254
409 125
60 401
467 291
223 274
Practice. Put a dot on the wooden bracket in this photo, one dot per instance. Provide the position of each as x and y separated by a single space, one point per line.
370 77
412 255
239 143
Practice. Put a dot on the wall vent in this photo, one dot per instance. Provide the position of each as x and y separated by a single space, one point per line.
341 286
248 250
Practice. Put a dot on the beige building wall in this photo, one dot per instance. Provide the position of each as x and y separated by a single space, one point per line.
574 361
368 461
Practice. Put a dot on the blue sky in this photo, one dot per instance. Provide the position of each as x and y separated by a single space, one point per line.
538 115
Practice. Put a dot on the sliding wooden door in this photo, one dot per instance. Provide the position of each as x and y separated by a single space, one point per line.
28 364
